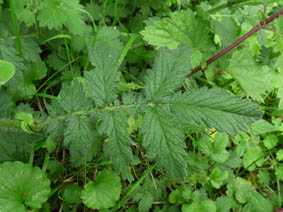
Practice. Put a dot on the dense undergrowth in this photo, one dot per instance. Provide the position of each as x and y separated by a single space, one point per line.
141 105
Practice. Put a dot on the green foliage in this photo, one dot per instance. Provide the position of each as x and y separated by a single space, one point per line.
22 186
104 192
132 106
7 71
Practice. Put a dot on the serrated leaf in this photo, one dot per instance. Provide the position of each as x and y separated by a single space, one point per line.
203 206
164 142
31 50
25 12
270 141
227 30
242 188
56 13
223 204
169 71
259 203
79 137
279 172
183 27
215 108
118 144
255 79
253 157
72 97
7 71
22 186
103 192
263 177
261 127
102 82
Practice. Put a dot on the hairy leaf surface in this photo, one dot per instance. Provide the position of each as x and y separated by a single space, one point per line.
181 28
56 13
164 142
215 108
117 145
169 71
103 80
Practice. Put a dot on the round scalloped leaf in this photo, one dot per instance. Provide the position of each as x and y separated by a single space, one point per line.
22 186
104 192
7 71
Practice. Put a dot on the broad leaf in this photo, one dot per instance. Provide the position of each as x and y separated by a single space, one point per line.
252 158
164 142
181 28
102 82
22 186
217 177
215 108
169 71
103 192
56 13
255 79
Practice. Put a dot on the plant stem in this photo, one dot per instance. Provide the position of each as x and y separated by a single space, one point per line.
16 28
258 27
223 6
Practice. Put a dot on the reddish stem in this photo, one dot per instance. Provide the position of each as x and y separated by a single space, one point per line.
258 27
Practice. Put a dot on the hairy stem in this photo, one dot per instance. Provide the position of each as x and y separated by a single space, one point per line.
258 27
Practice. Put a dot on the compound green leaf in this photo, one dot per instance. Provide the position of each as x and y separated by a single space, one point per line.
102 82
103 192
169 71
181 28
164 142
215 108
255 79
22 186
7 71
56 13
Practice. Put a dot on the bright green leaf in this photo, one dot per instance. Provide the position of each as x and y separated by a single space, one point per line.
22 186
203 206
279 155
270 141
250 75
183 27
56 13
103 192
217 177
7 71
252 158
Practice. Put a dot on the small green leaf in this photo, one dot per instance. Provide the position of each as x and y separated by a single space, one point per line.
279 172
72 193
103 192
7 71
176 197
27 121
260 204
252 158
279 155
217 177
270 141
203 206
22 186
